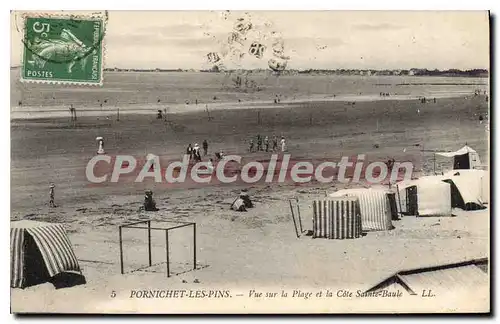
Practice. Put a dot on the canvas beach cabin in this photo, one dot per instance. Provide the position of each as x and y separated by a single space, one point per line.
469 188
375 207
463 159
426 196
41 252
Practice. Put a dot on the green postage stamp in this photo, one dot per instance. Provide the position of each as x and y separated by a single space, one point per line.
67 50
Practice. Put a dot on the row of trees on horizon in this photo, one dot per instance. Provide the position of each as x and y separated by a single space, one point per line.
362 72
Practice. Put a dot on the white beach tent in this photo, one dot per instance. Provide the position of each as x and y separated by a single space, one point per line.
426 196
464 158
475 181
468 188
374 206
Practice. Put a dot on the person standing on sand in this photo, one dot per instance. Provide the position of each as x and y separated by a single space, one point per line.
390 164
196 152
266 143
52 195
72 111
283 144
205 147
189 151
275 143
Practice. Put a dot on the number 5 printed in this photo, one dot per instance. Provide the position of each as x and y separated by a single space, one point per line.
42 28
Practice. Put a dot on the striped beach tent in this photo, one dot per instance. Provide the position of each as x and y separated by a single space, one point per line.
376 214
337 218
38 252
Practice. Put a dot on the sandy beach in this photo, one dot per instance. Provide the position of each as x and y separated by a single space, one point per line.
237 250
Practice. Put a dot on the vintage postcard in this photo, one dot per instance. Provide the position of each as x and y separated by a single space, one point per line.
250 162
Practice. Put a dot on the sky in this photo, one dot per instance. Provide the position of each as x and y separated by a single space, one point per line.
312 39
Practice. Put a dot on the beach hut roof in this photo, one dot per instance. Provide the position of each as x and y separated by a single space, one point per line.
469 274
464 150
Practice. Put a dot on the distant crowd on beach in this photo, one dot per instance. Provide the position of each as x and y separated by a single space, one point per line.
425 100
195 152
264 144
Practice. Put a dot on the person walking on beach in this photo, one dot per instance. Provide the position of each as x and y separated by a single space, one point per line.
205 147
196 152
283 144
390 164
52 195
259 143
275 143
189 151
266 143
72 112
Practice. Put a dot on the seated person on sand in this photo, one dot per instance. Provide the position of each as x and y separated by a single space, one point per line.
246 198
149 202
219 155
238 205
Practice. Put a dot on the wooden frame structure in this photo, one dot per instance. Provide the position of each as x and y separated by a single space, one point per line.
139 225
